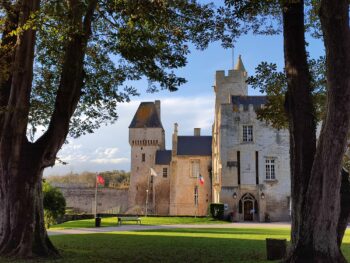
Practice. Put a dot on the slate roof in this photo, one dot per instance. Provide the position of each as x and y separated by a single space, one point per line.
194 145
246 100
146 116
163 157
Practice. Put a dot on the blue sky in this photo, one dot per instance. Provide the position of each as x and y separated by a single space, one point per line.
191 106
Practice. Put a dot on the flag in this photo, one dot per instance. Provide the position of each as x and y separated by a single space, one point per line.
153 172
100 180
201 179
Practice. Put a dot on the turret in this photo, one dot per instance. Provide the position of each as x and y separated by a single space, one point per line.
234 83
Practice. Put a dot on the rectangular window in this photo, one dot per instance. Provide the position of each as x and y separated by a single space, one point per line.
195 168
257 167
143 157
247 133
238 167
270 169
165 172
196 195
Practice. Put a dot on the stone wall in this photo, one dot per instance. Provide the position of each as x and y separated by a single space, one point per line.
82 199
183 185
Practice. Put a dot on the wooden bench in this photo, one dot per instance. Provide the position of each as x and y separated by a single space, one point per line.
129 218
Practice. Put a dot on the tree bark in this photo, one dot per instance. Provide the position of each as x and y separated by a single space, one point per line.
321 221
22 163
299 107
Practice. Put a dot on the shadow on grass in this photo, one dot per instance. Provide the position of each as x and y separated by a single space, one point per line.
170 245
285 232
140 247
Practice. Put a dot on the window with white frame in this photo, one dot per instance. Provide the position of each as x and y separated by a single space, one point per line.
195 168
247 133
270 166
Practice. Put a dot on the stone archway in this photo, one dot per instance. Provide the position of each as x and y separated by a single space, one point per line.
249 207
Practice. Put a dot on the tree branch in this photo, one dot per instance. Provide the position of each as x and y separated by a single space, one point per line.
71 82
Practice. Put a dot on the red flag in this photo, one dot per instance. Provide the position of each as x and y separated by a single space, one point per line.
201 180
100 180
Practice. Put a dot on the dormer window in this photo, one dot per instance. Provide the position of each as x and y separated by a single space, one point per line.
247 133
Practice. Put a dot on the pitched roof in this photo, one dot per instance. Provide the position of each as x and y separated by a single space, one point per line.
194 145
239 64
246 100
163 157
146 116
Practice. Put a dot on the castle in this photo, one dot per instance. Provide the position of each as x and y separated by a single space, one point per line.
244 164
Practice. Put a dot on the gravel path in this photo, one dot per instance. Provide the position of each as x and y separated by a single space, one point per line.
75 231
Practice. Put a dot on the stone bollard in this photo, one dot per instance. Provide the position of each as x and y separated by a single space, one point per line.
276 248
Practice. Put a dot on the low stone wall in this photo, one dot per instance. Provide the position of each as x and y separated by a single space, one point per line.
82 199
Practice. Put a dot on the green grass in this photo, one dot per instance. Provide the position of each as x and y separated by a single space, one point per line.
112 221
242 245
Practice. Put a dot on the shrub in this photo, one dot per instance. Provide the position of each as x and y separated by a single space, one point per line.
54 204
217 211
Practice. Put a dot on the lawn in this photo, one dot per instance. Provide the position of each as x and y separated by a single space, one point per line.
241 245
112 221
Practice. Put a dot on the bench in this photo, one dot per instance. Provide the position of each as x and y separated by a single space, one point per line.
129 218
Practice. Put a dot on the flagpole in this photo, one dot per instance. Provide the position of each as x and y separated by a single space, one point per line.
96 195
147 196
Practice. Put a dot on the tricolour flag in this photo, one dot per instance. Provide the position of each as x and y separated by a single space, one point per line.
153 172
100 180
201 179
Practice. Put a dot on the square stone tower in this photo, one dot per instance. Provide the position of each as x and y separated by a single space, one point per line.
146 136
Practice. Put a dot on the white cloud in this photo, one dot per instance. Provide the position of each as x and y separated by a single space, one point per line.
106 152
110 161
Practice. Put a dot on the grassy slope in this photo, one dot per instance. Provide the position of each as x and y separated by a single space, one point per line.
176 245
112 221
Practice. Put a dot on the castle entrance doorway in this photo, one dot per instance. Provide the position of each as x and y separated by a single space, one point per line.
249 207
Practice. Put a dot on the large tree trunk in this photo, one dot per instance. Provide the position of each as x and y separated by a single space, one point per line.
22 163
322 222
20 168
299 106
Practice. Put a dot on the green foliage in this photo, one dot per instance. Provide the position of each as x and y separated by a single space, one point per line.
217 211
268 80
273 83
130 40
113 179
54 204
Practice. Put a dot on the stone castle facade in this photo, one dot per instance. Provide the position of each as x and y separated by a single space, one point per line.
244 164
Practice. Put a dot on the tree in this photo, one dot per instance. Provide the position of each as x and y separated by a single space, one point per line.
54 204
318 220
61 65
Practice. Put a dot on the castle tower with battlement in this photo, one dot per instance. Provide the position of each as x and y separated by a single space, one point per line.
146 137
250 159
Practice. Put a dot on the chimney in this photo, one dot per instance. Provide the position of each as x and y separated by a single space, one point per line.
174 150
197 132
157 103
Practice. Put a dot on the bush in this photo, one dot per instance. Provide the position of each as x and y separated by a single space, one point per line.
54 204
217 211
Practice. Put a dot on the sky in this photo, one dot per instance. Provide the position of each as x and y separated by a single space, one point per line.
192 106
